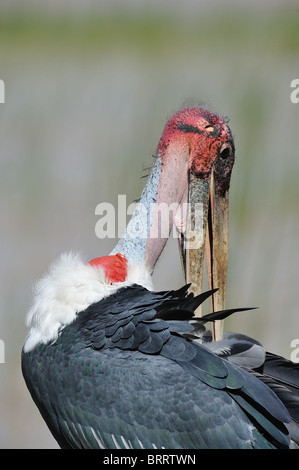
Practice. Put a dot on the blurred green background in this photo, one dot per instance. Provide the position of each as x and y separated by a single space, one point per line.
88 88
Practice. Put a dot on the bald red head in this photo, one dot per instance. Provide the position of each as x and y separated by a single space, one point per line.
204 134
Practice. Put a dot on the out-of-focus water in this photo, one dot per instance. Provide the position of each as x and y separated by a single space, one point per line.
79 126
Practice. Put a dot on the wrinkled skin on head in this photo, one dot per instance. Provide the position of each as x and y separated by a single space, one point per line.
209 141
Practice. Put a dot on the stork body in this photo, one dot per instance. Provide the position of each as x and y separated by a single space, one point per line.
122 375
111 363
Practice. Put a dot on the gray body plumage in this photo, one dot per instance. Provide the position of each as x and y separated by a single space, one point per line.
123 375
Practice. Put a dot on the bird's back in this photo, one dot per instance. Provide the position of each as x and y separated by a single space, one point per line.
123 375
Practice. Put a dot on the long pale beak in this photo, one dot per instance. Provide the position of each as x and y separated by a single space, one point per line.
206 234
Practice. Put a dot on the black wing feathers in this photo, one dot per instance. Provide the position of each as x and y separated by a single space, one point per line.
135 326
278 373
284 371
155 323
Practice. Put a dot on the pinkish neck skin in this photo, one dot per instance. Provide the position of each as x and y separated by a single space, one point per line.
159 205
172 193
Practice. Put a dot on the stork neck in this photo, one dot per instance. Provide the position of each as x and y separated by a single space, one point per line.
133 243
161 199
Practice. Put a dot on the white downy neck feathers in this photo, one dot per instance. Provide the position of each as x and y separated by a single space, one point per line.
68 288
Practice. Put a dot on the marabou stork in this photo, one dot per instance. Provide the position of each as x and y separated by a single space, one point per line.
111 363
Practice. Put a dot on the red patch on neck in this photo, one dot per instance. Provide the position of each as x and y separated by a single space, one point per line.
115 266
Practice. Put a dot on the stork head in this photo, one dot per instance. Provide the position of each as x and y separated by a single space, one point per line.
197 156
206 138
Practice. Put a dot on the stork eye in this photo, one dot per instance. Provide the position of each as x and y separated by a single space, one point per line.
209 127
225 151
